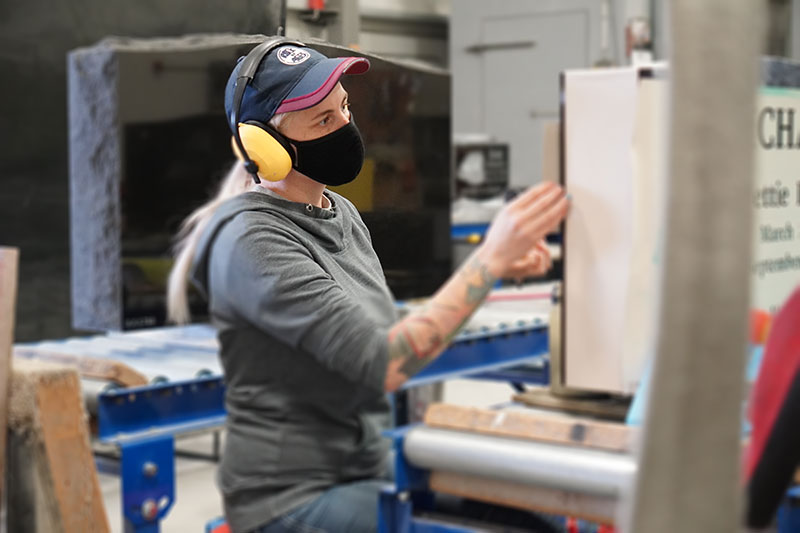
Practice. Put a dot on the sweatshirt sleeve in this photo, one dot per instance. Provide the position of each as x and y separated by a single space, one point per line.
268 278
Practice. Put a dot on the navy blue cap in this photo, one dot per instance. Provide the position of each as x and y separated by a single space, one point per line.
290 78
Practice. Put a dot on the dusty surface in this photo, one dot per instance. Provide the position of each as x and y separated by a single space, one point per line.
26 375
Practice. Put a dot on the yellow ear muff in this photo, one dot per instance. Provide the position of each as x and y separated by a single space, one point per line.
274 162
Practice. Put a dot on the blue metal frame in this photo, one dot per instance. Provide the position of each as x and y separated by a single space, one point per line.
789 512
126 415
463 231
148 482
395 516
476 354
142 421
529 374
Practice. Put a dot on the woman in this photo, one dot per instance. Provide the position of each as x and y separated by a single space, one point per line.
310 339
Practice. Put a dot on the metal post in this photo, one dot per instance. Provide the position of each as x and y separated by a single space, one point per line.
148 482
346 26
688 477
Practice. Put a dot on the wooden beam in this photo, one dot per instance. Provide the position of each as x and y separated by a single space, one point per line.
532 425
587 507
89 367
51 466
9 261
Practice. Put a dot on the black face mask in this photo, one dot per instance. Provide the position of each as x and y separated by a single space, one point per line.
334 159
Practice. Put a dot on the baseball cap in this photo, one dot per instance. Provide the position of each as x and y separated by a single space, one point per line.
290 78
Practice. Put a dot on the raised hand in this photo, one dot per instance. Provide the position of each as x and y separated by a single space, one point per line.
521 225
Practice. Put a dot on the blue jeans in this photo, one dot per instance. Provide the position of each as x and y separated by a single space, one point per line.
346 508
353 508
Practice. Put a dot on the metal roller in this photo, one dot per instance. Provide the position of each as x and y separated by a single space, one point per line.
91 389
535 463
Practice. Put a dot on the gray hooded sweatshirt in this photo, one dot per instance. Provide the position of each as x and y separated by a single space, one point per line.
302 310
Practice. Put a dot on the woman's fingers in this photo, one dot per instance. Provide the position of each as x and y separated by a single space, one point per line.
532 194
534 263
542 218
520 224
542 246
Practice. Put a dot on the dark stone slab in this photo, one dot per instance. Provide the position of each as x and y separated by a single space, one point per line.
34 200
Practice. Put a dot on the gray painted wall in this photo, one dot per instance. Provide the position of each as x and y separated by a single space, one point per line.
506 58
35 37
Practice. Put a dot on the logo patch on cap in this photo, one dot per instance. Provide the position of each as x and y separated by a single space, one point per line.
289 55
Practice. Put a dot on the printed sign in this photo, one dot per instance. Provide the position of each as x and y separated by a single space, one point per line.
776 199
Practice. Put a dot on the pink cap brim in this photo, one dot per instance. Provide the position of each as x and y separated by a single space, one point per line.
347 65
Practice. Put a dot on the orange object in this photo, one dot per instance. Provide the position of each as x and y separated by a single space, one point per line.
760 322
316 5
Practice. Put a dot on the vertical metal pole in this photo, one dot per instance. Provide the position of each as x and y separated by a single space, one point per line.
281 29
347 25
689 458
778 39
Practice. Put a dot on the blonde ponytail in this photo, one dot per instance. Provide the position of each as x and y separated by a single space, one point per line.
236 182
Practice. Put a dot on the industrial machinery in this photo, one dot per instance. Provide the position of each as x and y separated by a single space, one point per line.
511 457
175 388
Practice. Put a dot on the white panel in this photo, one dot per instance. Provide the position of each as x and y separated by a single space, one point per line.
649 193
599 125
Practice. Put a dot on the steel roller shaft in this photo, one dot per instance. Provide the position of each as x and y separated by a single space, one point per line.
536 463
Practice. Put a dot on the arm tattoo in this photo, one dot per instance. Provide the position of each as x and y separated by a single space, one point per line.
400 347
413 365
477 290
420 337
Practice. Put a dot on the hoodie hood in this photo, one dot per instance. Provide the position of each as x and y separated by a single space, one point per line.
322 225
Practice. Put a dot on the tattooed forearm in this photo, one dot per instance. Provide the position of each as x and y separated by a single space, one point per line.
406 360
479 281
421 336
399 347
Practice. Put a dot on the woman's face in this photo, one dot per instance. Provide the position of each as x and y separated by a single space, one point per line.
327 116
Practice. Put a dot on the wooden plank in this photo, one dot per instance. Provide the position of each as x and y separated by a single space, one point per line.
524 424
551 151
89 367
597 509
9 261
613 408
56 485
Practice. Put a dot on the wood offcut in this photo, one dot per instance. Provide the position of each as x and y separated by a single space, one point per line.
51 464
9 261
532 425
89 367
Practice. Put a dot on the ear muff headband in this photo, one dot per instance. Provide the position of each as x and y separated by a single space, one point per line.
271 149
